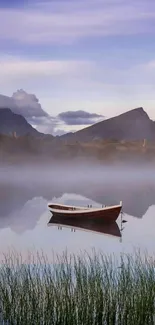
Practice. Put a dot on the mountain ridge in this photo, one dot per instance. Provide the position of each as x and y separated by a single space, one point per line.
11 122
131 125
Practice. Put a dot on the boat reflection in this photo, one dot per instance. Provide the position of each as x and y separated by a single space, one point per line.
101 227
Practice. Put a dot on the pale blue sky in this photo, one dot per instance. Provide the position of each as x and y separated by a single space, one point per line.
97 56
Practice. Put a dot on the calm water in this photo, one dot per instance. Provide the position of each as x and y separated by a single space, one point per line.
24 215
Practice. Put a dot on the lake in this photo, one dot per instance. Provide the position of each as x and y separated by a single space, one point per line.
24 216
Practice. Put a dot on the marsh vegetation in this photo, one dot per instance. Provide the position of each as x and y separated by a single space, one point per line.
87 289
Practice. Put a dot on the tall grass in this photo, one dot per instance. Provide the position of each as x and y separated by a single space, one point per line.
84 290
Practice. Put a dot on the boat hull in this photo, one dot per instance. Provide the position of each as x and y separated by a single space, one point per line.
109 214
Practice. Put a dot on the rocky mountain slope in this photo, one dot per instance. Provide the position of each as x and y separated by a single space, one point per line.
133 125
14 123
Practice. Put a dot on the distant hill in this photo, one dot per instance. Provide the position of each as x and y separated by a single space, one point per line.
11 122
48 150
133 125
117 140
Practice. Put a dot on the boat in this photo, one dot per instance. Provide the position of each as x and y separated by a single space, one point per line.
101 227
106 213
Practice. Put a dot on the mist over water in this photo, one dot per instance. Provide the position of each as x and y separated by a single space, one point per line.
70 173
26 191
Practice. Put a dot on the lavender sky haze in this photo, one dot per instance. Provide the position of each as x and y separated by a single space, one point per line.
95 56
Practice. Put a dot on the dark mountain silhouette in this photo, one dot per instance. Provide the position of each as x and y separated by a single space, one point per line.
132 125
117 140
11 122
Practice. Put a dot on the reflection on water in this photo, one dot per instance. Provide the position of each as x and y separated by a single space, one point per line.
87 225
137 197
24 216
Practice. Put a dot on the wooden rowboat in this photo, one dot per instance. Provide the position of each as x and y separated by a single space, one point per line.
107 213
101 227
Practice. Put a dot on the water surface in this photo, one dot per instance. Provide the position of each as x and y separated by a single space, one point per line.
24 215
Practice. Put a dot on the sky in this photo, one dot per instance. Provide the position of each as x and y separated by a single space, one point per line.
91 56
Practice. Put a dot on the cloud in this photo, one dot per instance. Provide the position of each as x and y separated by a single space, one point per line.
67 22
65 122
80 117
48 125
7 102
52 129
14 67
80 76
56 76
23 103
28 106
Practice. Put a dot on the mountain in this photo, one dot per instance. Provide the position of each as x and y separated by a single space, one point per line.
11 122
80 147
133 125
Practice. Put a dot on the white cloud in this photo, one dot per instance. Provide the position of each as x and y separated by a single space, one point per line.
28 104
80 75
45 77
69 85
23 103
15 67
59 22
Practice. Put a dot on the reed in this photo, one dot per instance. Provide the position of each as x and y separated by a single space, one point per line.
89 289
